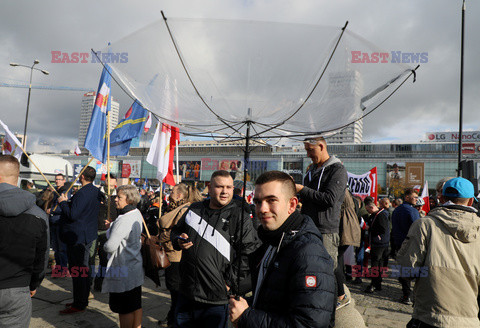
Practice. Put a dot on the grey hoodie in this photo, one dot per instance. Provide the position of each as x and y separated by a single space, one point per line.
323 194
14 201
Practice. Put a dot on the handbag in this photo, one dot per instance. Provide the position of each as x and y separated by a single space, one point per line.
153 255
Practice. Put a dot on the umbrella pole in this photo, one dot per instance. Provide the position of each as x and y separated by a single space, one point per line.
244 203
160 202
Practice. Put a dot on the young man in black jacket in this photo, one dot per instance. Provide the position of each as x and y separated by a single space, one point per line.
295 286
379 236
215 237
23 247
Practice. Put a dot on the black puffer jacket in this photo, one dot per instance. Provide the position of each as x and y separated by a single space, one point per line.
211 263
323 194
299 287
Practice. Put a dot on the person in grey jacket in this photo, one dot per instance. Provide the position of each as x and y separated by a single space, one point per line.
323 192
23 247
124 274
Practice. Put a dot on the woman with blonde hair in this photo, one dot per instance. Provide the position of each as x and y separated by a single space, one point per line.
180 199
124 273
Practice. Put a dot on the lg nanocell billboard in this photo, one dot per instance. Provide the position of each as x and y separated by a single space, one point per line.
473 136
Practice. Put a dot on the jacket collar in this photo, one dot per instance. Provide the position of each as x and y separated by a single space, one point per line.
454 206
307 226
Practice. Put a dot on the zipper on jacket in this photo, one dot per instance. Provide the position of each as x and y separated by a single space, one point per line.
310 178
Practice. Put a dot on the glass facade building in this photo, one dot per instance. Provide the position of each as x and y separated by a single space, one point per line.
438 160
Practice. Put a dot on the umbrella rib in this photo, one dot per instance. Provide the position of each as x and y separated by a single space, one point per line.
315 86
299 134
224 121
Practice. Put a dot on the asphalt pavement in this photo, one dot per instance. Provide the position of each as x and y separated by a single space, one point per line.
380 309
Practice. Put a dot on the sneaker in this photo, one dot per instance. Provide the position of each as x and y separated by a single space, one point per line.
343 302
370 289
406 300
165 323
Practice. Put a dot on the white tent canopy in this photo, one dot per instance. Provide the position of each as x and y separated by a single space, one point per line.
273 69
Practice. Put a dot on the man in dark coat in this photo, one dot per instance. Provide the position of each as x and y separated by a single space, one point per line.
295 286
402 218
78 229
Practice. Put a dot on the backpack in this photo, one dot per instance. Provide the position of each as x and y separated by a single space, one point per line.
350 232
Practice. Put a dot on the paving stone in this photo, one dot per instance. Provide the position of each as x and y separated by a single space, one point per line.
382 308
378 310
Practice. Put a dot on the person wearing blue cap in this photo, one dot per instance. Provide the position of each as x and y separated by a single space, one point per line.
442 253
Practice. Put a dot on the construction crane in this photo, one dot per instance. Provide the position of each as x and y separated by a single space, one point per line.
43 87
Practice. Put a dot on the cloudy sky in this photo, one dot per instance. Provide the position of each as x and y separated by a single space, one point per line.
32 30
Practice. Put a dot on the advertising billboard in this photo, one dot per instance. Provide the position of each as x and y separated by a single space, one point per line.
131 168
190 170
395 178
414 174
472 136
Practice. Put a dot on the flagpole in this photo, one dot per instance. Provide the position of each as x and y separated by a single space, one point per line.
108 165
39 171
178 167
14 140
160 201
75 180
78 176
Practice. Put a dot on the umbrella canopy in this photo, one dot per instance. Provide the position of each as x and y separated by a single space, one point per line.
285 80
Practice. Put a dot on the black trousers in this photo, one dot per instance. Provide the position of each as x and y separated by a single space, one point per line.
406 286
78 260
377 254
406 283
339 270
172 280
102 256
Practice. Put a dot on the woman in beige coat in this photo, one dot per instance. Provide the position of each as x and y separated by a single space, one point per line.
180 199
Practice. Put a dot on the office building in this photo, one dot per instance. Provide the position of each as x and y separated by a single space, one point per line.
88 100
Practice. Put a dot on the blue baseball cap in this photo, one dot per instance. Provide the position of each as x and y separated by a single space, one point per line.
463 187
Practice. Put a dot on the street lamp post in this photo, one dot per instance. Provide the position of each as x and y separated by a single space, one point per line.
35 62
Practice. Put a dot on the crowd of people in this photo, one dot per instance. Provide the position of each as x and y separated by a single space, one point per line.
279 262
